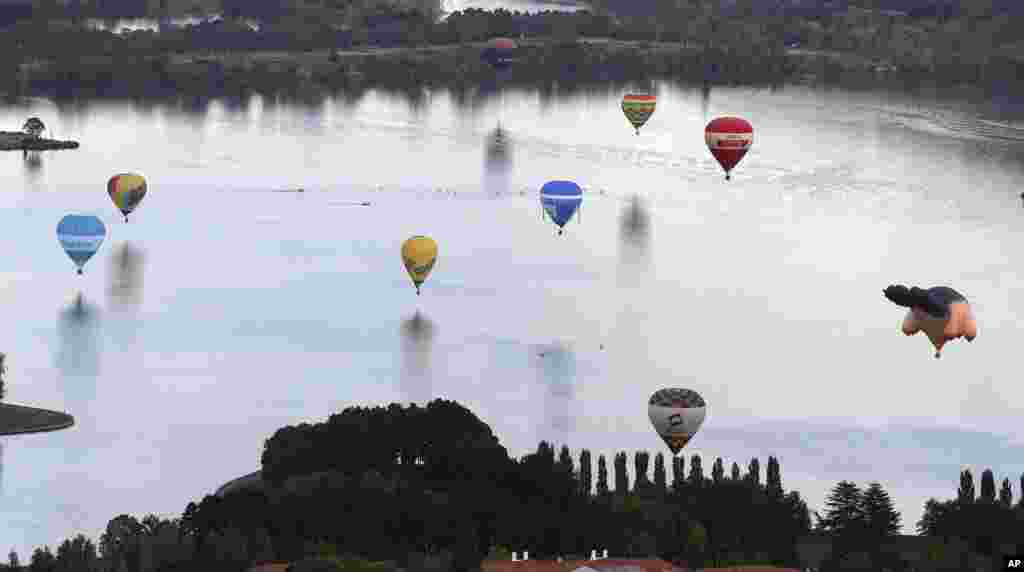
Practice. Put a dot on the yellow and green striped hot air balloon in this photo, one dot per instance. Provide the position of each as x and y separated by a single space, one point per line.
419 254
638 109
127 191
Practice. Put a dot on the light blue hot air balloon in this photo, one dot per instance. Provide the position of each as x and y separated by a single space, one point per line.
81 236
560 200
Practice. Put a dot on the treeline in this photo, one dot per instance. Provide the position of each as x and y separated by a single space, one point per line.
987 520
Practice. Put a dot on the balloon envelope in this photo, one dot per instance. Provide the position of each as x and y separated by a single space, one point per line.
638 109
729 139
942 313
560 200
419 254
126 190
81 236
677 415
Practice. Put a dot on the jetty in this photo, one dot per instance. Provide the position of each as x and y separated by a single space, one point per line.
19 419
19 141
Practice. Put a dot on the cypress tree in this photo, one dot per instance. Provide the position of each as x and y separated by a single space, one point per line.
586 474
966 492
773 478
844 509
988 486
602 476
621 479
565 460
880 517
717 471
679 472
696 471
1006 494
659 471
1020 502
640 479
754 472
735 473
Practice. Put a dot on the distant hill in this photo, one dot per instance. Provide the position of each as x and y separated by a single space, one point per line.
819 8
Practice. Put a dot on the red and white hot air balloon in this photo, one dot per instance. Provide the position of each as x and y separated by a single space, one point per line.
729 139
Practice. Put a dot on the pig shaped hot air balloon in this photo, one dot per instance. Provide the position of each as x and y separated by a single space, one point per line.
943 313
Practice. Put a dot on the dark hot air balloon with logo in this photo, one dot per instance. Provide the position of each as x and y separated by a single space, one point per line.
676 415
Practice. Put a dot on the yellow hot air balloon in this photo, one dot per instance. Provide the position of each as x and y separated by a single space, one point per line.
127 191
419 254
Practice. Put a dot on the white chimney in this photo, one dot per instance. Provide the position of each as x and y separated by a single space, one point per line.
526 555
515 557
605 553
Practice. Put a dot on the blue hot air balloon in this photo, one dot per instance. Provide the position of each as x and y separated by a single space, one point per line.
560 200
81 236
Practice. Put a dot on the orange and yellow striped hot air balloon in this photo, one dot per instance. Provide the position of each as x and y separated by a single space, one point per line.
126 190
419 254
638 109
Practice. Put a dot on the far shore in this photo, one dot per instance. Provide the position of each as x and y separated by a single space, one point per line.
18 141
20 419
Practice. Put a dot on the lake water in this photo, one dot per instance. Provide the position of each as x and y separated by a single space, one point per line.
223 311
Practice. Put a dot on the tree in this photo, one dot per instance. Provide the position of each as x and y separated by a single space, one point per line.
735 472
1020 502
640 479
773 478
754 472
988 487
679 472
1006 494
13 562
621 479
586 476
565 461
966 492
659 471
936 518
696 472
844 509
43 560
602 476
880 518
3 370
717 471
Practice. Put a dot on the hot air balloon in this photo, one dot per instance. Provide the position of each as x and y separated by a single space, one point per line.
126 190
499 53
729 139
638 109
677 415
81 236
419 254
560 200
943 313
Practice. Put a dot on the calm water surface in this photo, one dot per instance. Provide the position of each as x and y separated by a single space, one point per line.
223 311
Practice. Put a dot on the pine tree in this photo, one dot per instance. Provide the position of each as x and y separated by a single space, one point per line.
621 479
754 472
966 492
640 479
659 471
13 562
773 478
1020 502
717 471
586 476
696 471
735 472
1006 494
988 487
844 509
880 518
679 472
602 476
565 461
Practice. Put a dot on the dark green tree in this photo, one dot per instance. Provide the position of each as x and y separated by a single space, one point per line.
602 476
734 474
659 472
640 464
966 492
988 487
876 508
1020 501
679 471
13 562
621 479
1006 494
773 479
696 471
43 561
586 475
843 512
717 471
565 461
754 472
